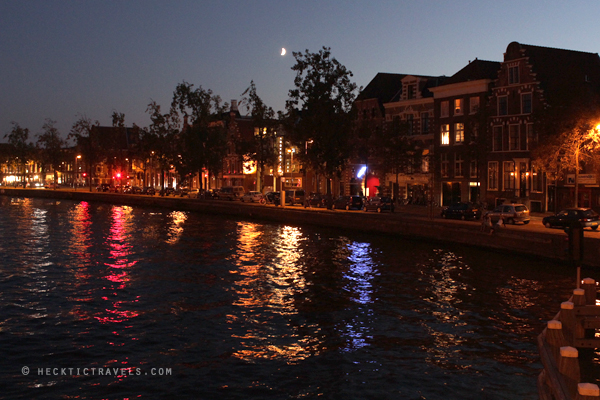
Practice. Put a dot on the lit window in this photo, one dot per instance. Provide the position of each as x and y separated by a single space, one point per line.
459 133
458 106
445 133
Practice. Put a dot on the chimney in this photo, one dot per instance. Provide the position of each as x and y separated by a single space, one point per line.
234 107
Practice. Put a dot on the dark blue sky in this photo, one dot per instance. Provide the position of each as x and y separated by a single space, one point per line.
61 59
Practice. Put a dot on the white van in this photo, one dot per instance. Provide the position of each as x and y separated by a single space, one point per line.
231 192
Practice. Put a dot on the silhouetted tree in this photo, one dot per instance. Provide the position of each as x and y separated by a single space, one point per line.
21 151
201 135
50 146
261 147
162 132
318 111
88 142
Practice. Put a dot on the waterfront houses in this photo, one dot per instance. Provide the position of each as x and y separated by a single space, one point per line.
535 86
459 144
474 137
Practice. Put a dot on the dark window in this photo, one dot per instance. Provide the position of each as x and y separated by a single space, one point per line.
526 103
502 105
513 75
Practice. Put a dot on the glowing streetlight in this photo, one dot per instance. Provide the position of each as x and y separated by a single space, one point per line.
292 151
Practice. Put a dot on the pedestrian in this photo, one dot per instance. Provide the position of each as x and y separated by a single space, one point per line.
486 225
499 223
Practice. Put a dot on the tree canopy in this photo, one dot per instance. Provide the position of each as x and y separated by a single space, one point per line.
318 116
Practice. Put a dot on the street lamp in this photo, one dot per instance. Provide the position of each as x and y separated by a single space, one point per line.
292 151
76 172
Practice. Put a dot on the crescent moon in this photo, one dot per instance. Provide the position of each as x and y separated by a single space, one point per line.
283 51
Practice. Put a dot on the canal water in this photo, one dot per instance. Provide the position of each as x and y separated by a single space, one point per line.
99 301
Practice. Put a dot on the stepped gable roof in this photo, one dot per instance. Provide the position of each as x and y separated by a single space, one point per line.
560 72
383 87
474 71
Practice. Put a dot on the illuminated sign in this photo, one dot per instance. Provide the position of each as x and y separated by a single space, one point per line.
361 171
249 167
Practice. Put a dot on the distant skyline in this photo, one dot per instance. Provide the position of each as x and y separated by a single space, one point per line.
61 59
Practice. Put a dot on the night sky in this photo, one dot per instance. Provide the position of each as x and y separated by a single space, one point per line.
62 59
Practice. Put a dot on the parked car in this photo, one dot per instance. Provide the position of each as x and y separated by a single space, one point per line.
273 198
252 196
50 185
510 214
348 203
132 189
316 200
105 187
294 196
586 216
167 191
231 192
210 194
462 211
181 192
149 190
379 204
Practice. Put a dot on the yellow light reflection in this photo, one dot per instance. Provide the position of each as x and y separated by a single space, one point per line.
175 228
442 295
271 277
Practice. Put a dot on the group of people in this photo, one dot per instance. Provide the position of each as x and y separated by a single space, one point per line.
488 226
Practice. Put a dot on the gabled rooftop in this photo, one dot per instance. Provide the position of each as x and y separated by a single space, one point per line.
560 72
383 87
474 71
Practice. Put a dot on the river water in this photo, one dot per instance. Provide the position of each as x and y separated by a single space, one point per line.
115 302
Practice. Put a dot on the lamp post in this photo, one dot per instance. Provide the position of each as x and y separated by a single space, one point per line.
76 171
292 151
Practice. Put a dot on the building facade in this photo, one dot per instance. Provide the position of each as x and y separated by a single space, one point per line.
531 81
459 146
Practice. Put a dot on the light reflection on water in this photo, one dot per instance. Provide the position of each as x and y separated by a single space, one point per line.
260 311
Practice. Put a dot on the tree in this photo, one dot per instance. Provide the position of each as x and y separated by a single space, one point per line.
318 111
20 148
395 151
261 148
565 152
50 147
88 142
162 132
202 137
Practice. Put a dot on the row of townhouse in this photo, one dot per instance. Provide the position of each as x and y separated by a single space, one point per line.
478 127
